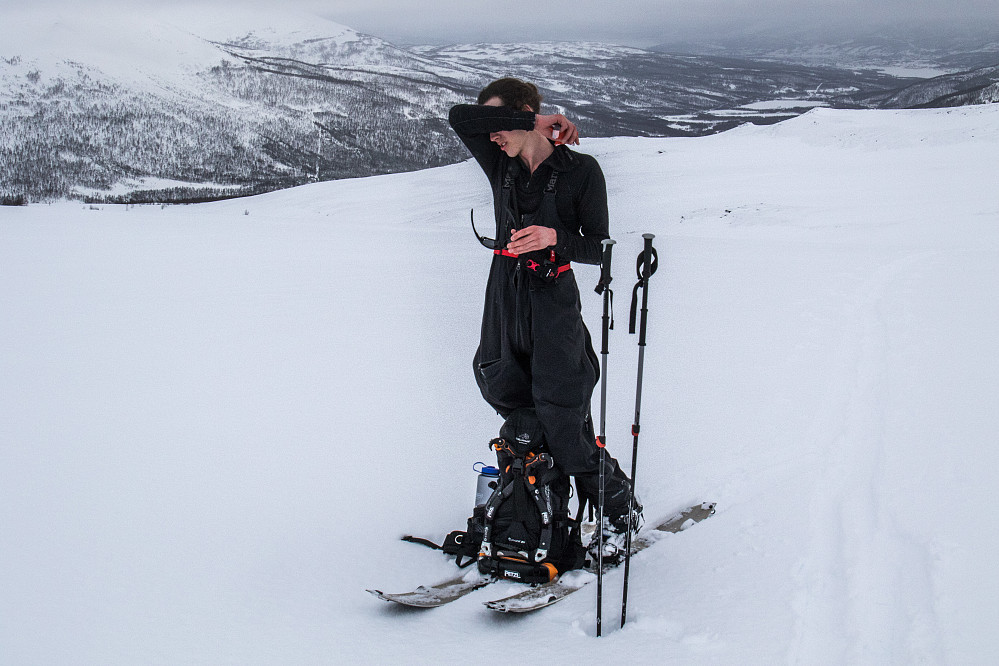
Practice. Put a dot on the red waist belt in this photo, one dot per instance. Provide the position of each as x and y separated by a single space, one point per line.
559 271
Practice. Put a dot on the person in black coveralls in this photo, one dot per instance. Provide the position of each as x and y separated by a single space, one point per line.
534 351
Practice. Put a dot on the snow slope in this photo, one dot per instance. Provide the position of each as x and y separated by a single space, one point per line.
217 419
132 44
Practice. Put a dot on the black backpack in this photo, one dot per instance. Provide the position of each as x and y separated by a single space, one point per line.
523 532
527 534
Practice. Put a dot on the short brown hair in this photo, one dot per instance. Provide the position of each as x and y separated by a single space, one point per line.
513 93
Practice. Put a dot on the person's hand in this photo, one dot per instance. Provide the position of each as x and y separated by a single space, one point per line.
557 128
531 238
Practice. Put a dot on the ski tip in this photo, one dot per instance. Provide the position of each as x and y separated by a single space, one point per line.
407 600
689 516
697 514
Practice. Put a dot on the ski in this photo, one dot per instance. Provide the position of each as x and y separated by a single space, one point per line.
437 595
540 596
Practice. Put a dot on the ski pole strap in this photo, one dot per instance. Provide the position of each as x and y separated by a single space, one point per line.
421 541
453 544
603 286
634 308
642 280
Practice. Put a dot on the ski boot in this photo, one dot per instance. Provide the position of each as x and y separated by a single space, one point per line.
615 535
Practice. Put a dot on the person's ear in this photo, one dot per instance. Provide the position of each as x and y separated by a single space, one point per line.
527 107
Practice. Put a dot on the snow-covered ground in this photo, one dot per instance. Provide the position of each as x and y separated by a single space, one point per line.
216 420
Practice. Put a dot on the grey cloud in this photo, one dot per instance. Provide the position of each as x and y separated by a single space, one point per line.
650 21
634 22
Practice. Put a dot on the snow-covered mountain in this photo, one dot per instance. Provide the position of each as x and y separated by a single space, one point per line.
184 104
216 420
116 103
978 86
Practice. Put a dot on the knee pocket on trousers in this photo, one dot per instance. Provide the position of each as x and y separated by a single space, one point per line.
490 369
504 381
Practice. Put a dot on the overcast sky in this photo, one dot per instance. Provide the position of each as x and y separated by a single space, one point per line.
632 22
643 22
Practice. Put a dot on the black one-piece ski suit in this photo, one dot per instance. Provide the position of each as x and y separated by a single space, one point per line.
534 349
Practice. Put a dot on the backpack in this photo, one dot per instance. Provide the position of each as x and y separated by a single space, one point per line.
523 532
526 532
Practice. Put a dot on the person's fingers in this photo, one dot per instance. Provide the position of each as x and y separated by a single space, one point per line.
530 239
570 134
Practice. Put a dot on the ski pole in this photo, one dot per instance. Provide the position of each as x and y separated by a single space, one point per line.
603 287
648 262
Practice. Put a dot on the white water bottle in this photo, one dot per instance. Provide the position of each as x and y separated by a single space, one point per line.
486 483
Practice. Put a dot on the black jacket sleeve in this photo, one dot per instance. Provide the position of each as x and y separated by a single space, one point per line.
589 204
473 124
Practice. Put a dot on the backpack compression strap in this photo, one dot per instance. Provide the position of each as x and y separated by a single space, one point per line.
524 482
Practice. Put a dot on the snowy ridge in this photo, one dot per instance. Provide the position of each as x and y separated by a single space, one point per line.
149 43
205 406
127 47
973 87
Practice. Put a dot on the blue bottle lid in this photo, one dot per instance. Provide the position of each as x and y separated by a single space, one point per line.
488 470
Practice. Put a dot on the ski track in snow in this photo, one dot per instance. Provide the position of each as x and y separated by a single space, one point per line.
217 419
856 562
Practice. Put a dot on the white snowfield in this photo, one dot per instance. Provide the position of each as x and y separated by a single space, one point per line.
216 420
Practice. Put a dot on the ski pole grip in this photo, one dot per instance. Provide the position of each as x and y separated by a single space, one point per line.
605 265
647 254
645 266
